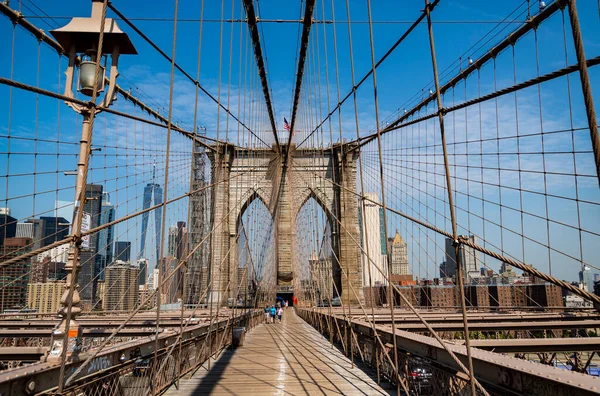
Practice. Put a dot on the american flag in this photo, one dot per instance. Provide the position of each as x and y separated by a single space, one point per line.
286 124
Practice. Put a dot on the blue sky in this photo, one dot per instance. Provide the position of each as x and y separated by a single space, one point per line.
404 78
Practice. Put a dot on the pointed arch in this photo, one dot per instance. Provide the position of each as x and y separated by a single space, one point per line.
254 194
321 200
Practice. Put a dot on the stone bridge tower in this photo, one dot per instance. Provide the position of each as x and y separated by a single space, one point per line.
244 174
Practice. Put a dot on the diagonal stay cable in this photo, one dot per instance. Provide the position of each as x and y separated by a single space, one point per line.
379 62
186 74
147 299
518 264
31 88
512 38
404 299
198 304
591 62
94 230
252 21
307 24
19 19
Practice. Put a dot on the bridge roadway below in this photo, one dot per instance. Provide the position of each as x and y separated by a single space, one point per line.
289 358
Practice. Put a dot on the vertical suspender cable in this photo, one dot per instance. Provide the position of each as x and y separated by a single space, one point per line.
166 189
459 269
360 164
385 228
342 167
588 98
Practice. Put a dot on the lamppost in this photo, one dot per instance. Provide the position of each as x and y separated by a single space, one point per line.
81 37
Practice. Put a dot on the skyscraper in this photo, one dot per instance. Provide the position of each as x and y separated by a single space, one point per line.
50 265
121 287
199 226
89 257
105 236
55 229
167 280
177 243
399 255
587 278
8 227
32 228
150 190
372 242
13 285
45 297
123 251
177 247
468 258
446 270
142 264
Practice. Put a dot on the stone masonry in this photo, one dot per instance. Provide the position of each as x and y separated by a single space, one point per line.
249 174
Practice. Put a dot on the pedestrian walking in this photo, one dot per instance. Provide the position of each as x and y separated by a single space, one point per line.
279 313
272 313
267 313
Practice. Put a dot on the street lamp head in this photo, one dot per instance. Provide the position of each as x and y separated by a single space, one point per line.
83 33
80 39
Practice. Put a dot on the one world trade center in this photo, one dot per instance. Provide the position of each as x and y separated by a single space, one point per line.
156 190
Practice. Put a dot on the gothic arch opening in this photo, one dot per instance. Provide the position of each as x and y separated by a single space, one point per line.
255 250
315 257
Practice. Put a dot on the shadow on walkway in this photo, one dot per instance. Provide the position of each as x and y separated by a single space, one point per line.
289 358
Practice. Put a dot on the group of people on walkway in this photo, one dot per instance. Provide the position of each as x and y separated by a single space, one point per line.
274 313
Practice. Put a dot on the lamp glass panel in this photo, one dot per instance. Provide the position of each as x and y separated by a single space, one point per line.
87 72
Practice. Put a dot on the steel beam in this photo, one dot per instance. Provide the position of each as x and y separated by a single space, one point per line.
91 333
502 326
496 372
44 375
22 354
102 322
533 345
405 317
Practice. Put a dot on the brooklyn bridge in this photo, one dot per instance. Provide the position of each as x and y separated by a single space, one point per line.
314 197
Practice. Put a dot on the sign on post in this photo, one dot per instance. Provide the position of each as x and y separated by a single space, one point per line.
86 220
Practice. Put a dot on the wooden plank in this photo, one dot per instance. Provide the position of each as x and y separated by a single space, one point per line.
289 358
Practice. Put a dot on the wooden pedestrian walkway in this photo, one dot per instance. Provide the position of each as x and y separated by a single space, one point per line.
290 358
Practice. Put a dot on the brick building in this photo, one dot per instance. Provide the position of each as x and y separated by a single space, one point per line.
501 296
477 296
519 295
545 295
438 296
412 295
